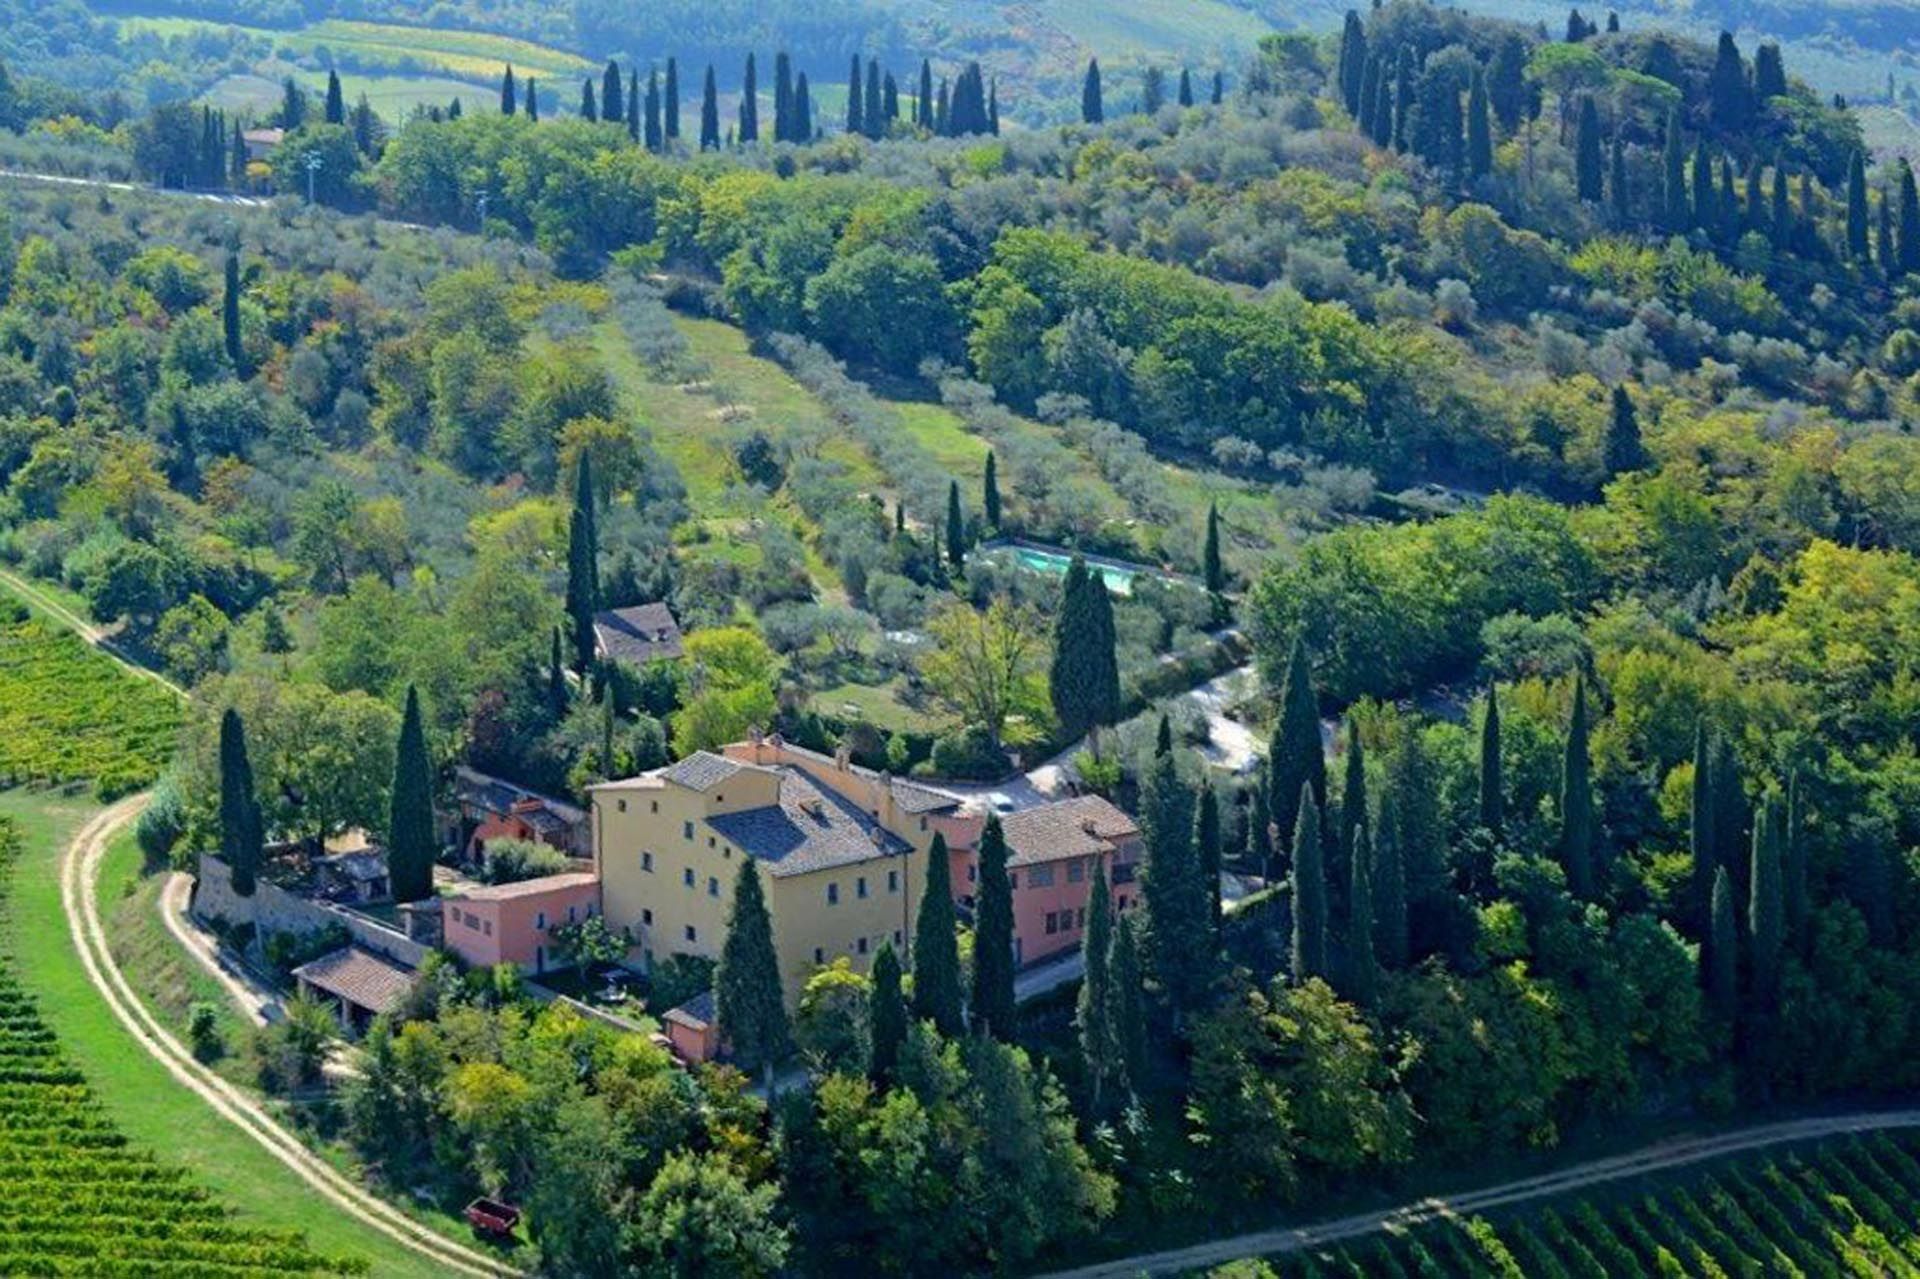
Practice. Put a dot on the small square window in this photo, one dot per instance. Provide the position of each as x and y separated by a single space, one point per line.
692 933
861 945
713 886
686 876
973 873
923 823
646 916
1040 877
712 842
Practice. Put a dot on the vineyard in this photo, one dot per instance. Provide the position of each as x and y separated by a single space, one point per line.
75 1198
69 713
1838 1210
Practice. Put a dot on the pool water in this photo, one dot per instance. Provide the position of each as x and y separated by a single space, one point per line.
1118 580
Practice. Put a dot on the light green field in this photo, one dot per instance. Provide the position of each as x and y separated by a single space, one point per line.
1119 31
469 55
391 96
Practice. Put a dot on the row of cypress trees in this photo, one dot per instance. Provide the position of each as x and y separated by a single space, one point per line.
1093 107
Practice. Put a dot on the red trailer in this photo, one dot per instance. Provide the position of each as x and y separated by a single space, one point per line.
493 1218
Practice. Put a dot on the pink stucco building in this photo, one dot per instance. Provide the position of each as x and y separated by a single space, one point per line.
1052 851
513 923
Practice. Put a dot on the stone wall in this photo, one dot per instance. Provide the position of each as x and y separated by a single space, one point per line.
273 909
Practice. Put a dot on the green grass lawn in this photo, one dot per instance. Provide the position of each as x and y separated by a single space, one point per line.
470 55
875 704
136 1091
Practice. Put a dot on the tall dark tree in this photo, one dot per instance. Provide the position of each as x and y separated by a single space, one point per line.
1673 186
1363 966
1185 96
783 123
1793 859
1720 957
670 113
1214 572
1129 1000
1479 130
709 114
747 994
1382 133
1163 738
1619 192
411 846
1730 816
1625 450
230 317
1884 252
802 109
923 105
1706 196
936 951
993 1007
1437 122
1766 909
749 105
886 1016
1857 217
1493 802
637 116
1353 808
1389 890
1507 90
1295 758
889 100
1093 1013
873 119
1219 89
583 566
336 108
1576 801
1179 932
990 493
1909 220
956 527
1075 637
1701 838
1309 892
1403 101
856 95
652 132
1207 853
1352 66
589 109
242 833
613 102
1769 73
1091 109
1587 154
1369 93
509 93
1260 835
1780 220
1729 96
533 100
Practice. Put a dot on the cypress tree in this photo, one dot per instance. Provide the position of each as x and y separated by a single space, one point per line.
1369 92
993 107
990 493
889 100
856 115
583 566
1403 101
1260 830
1206 848
454 109
886 1017
336 108
802 110
1625 451
1493 801
1185 96
509 97
241 833
1309 893
1163 738
746 984
1091 110
533 100
1706 199
1382 134
993 1009
1619 194
237 162
1909 220
656 137
410 841
1075 633
1103 662
1730 817
588 109
1411 801
1507 91
709 114
936 952
1782 217
749 105
1700 827
1128 994
1353 62
1729 97
1808 221
670 123
1884 252
1353 808
1437 122
1793 850
1729 204
923 105
1720 957
1587 155
1765 907
637 119
871 117
1214 572
1756 197
230 317
782 97
1295 759
1389 890
1093 1013
613 103
1769 73
956 527
1576 801
1674 182
1363 968
1179 939
1480 130
1219 89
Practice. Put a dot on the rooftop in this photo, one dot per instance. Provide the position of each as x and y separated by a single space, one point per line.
360 977
563 882
1078 827
811 829
697 1013
641 634
912 797
497 796
700 770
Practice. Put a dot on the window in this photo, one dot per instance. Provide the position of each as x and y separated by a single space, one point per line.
572 913
712 842
973 873
540 920
686 876
713 886
833 894
1053 923
646 916
1123 901
620 804
897 939
819 955
1040 877
861 945
893 881
923 823
486 927
686 830
1076 871
693 934
860 887
656 806
646 862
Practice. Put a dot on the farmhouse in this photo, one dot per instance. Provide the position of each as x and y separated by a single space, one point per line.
638 635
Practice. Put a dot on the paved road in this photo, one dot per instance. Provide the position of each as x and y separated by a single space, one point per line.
79 872
108 184
1675 1153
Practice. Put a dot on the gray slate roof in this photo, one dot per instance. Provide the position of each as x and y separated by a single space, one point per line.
910 796
697 1013
811 829
641 634
700 770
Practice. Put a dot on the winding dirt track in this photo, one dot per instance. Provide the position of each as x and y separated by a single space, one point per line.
79 871
1677 1153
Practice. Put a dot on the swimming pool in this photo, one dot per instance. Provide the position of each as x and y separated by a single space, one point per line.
1118 577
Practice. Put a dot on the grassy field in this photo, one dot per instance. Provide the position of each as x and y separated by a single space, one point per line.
392 96
469 55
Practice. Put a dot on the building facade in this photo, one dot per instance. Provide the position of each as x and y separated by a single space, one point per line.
513 923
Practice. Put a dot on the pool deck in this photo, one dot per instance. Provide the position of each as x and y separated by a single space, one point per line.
1108 566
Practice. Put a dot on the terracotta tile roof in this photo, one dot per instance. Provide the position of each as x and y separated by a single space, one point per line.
562 882
811 828
360 977
641 634
1078 827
